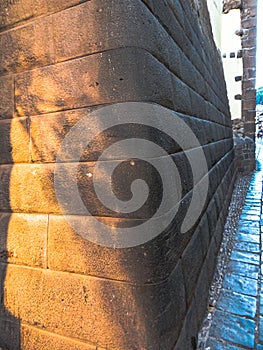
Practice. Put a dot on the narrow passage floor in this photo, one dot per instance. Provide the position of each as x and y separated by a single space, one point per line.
237 322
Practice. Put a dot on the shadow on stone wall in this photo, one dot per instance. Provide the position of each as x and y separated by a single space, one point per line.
120 298
9 325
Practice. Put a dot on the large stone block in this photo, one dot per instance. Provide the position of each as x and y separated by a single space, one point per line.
12 12
217 172
40 196
249 104
166 16
251 94
249 22
205 235
33 338
14 135
73 250
198 105
48 132
250 62
27 188
248 84
87 33
27 47
248 42
102 312
128 74
9 332
192 260
202 294
189 334
6 97
215 151
23 239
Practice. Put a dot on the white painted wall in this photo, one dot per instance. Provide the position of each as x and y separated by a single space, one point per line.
215 10
224 27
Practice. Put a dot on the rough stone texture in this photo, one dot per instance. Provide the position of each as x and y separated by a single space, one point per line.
27 239
231 4
24 47
19 151
39 298
16 12
7 97
236 293
61 61
244 153
34 338
248 9
249 42
125 74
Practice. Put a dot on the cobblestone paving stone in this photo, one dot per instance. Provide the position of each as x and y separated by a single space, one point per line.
236 319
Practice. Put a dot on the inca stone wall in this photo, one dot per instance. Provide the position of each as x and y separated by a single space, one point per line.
59 61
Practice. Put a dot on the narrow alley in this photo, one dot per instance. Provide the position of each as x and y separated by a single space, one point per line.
236 320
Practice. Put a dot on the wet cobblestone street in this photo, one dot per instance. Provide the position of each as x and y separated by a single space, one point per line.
235 319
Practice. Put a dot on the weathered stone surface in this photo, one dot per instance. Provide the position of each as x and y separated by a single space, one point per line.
243 235
188 336
69 251
248 104
182 35
202 293
40 197
221 345
247 247
63 289
247 257
89 37
23 239
248 21
243 335
15 192
24 47
12 12
48 132
87 33
158 256
33 338
14 136
102 300
128 74
210 260
236 303
6 97
191 264
9 332
204 234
